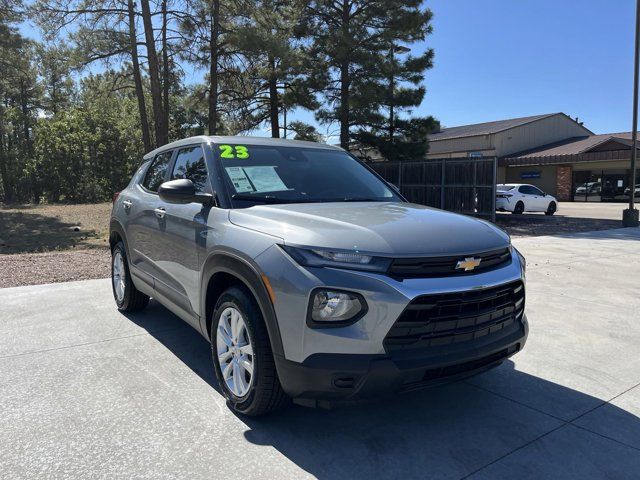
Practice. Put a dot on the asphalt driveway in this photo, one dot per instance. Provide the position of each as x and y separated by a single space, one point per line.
86 392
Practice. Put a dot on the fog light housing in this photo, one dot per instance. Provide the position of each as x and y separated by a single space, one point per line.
334 308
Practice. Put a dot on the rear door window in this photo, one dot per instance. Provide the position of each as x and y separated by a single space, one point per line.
157 172
190 164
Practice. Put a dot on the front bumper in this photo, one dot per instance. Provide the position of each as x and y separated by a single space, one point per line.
386 298
349 376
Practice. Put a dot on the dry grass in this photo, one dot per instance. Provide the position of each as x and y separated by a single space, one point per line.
46 228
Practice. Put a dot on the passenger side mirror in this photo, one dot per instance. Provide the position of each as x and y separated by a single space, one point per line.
183 191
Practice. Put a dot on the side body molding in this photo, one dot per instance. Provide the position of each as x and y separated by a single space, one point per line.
233 262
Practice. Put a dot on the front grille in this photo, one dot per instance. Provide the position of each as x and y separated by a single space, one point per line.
444 266
449 318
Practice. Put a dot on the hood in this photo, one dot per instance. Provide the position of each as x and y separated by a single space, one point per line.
390 228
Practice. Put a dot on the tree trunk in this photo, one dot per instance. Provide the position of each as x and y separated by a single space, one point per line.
344 105
24 107
137 78
156 90
6 181
165 68
213 67
25 115
273 99
345 80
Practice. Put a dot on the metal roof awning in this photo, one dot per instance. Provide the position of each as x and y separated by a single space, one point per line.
598 156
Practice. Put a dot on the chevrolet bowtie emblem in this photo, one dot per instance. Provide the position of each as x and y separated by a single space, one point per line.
468 264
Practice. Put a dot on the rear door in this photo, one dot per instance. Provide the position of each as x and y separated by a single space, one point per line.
183 241
145 219
531 203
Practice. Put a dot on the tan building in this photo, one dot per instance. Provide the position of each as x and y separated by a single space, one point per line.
553 151
504 137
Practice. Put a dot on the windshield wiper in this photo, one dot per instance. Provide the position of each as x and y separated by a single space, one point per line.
359 199
270 198
257 198
274 199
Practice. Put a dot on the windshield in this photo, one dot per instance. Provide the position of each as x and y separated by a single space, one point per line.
505 188
259 174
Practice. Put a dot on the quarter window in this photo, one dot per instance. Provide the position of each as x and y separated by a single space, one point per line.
190 164
157 172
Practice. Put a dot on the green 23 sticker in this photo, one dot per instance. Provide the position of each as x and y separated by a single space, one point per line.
233 151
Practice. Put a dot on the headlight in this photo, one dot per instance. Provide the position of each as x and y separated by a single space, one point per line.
314 257
334 308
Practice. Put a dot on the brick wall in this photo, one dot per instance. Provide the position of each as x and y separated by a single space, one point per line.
564 180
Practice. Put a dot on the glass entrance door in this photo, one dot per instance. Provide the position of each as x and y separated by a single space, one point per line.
587 186
614 185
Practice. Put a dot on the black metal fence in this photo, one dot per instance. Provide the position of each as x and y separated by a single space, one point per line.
463 185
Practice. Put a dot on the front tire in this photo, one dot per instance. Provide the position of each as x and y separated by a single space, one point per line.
242 355
128 298
519 208
551 209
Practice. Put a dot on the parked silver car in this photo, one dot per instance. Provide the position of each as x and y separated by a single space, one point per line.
311 276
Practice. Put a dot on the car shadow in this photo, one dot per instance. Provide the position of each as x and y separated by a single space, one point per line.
181 339
444 432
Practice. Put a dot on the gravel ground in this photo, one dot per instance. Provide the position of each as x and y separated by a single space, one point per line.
48 228
531 225
53 267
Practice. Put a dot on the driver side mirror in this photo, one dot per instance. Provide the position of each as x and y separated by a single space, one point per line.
183 191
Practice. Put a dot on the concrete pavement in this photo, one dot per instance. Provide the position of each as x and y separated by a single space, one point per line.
88 392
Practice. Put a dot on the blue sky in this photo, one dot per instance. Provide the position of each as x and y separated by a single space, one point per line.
506 58
498 59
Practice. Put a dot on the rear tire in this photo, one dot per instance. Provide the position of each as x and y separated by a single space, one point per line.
519 208
256 392
128 298
551 209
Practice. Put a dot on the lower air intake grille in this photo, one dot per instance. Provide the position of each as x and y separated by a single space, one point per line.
448 318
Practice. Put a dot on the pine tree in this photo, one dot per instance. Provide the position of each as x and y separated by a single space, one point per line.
274 60
354 42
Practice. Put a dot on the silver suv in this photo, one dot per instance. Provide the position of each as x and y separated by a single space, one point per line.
311 276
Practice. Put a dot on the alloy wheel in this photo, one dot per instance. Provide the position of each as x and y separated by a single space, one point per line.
119 275
235 352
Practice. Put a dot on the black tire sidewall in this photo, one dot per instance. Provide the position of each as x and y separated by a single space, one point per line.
518 211
551 209
238 299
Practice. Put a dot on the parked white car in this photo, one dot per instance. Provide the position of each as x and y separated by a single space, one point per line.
519 198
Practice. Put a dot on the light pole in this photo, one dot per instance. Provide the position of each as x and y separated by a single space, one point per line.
630 215
392 85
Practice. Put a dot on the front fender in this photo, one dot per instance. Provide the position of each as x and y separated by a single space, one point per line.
235 263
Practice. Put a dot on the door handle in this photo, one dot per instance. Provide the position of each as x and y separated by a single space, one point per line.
127 204
160 212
